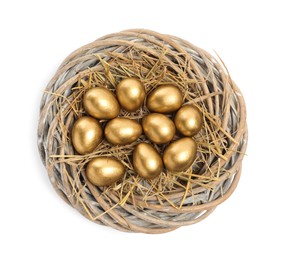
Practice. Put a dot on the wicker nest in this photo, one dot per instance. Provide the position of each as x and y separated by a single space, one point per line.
173 199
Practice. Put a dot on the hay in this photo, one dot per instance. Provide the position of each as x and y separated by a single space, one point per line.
172 199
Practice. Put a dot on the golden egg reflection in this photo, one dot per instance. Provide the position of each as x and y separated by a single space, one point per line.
188 120
147 161
158 128
86 134
122 131
164 99
100 103
180 154
104 171
131 94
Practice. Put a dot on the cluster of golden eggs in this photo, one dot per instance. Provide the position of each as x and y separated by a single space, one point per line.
101 104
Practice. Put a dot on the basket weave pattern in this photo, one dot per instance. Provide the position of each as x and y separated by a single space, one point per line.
222 97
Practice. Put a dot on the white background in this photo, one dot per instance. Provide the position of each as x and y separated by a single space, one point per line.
37 35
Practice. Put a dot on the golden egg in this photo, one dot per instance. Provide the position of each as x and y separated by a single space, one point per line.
164 99
86 134
100 103
131 94
158 128
104 171
188 120
121 131
180 154
146 161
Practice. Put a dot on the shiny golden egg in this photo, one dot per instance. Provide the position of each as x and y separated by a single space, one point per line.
180 154
131 94
147 161
104 171
158 128
100 103
121 131
86 134
164 99
188 120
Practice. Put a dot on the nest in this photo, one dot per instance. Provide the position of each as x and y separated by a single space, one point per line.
172 199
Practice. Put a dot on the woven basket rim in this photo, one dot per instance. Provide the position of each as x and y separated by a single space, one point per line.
123 219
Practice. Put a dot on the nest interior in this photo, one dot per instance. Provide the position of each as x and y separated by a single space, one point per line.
173 199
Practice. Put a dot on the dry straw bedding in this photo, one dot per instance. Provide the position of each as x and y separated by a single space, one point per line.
173 199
